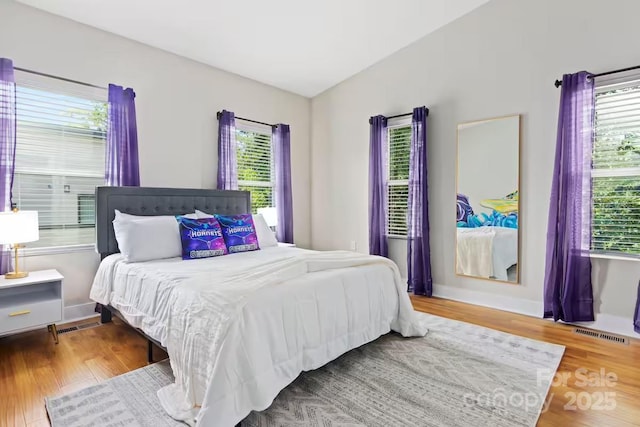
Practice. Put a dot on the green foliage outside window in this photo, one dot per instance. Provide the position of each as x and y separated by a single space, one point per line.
253 151
616 154
399 140
399 152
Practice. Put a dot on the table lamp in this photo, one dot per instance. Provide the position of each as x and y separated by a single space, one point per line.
17 227
270 216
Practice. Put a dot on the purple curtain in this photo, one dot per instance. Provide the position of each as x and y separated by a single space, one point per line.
227 162
7 146
418 252
568 294
122 167
284 202
377 187
636 316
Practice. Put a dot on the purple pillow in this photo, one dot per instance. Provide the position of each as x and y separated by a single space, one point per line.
201 238
239 233
463 208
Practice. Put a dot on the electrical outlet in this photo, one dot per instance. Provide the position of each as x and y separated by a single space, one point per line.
353 246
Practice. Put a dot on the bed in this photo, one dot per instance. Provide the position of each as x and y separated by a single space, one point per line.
486 252
239 328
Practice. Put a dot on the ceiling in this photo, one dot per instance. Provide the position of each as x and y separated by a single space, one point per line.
302 46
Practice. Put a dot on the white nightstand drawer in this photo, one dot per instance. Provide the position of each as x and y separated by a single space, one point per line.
28 315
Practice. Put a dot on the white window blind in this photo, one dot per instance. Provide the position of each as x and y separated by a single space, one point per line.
616 169
255 165
60 156
399 143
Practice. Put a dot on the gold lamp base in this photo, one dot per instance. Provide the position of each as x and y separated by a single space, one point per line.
16 275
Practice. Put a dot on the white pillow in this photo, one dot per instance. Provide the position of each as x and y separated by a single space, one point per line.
125 216
202 215
144 238
266 237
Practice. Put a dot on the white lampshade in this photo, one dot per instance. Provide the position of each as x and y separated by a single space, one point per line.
270 216
19 227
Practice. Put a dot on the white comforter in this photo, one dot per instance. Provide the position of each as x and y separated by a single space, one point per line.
486 251
240 328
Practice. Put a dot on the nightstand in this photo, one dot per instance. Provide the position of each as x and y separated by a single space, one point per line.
33 301
286 245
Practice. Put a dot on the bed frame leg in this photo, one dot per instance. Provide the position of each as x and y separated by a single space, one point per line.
105 314
149 351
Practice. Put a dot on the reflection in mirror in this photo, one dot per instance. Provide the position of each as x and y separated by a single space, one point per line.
488 199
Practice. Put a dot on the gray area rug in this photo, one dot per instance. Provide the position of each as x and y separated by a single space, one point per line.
458 375
127 400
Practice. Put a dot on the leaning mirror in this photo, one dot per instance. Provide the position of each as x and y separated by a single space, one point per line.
487 186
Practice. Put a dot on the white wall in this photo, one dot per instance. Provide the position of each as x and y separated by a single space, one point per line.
500 59
176 103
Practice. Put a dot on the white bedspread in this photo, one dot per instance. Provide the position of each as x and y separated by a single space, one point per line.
240 328
475 251
486 251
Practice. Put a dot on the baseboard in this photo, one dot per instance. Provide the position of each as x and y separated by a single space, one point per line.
483 299
604 322
77 312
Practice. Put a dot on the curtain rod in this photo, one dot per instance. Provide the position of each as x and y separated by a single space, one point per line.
558 83
58 78
401 115
219 113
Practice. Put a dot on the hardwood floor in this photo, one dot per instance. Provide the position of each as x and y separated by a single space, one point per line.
32 366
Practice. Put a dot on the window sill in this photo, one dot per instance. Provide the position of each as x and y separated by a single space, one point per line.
614 256
397 237
56 250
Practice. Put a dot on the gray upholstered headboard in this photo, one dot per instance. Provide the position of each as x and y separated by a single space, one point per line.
160 201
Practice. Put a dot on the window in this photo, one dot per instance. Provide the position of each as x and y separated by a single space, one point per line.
616 169
255 165
60 156
399 142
